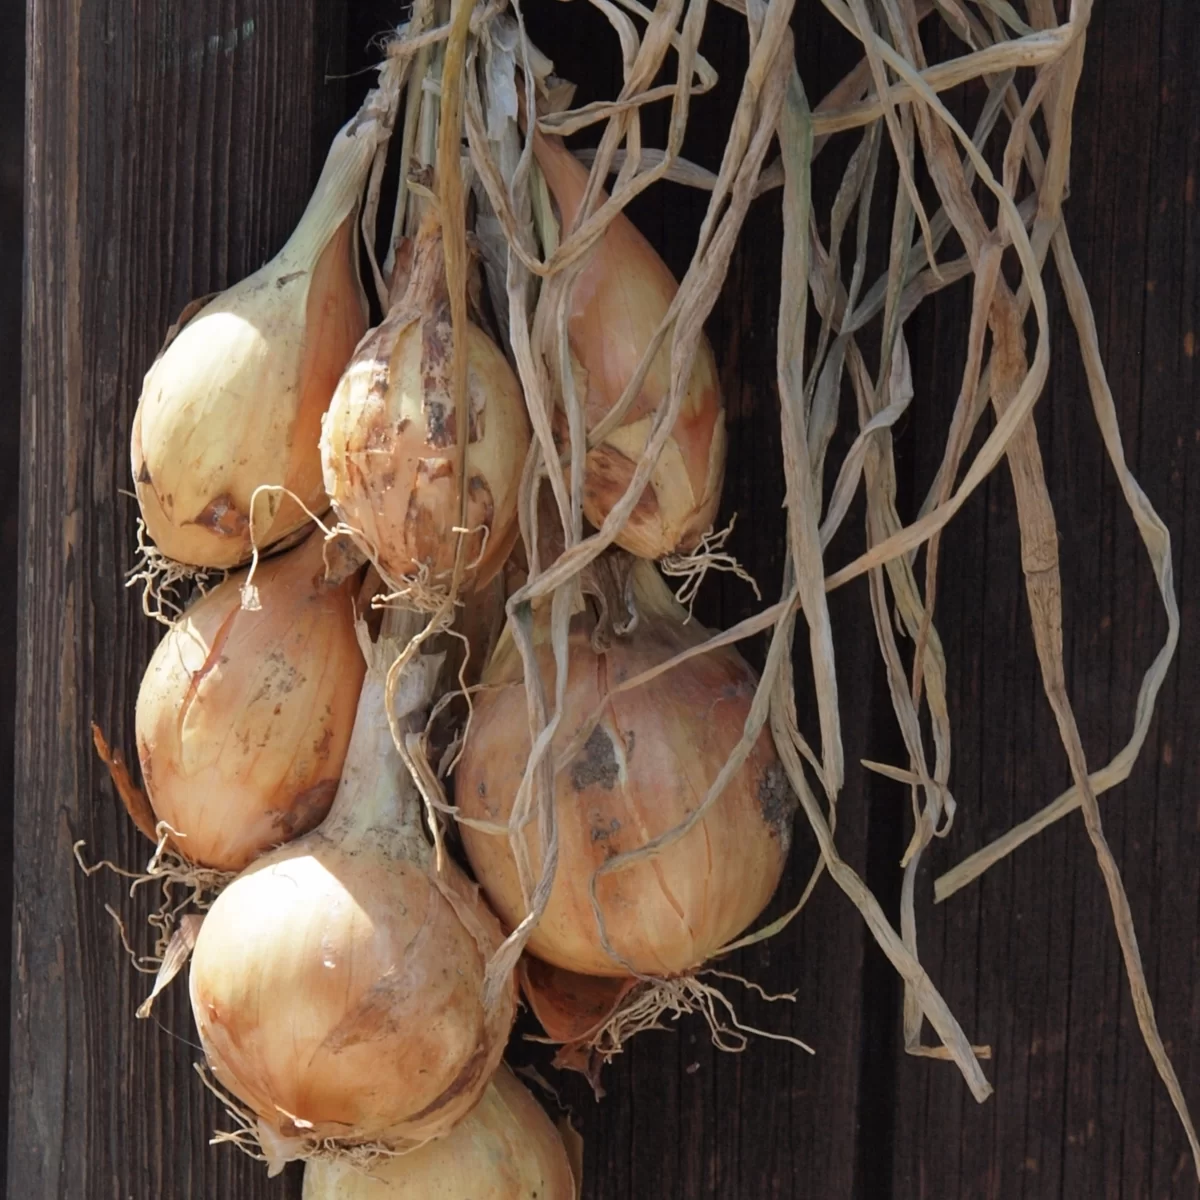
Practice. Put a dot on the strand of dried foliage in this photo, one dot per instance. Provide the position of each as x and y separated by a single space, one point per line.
891 103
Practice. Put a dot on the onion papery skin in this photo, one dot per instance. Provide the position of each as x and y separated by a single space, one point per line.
645 767
390 442
244 717
235 401
505 1149
618 302
337 983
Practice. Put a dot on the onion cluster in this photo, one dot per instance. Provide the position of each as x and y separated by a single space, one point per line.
352 983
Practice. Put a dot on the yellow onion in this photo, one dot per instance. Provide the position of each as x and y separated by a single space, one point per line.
618 302
236 400
336 983
506 1149
643 769
244 716
390 443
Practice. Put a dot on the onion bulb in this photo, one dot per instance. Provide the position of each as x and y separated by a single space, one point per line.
389 444
236 400
617 305
244 717
640 772
336 983
506 1149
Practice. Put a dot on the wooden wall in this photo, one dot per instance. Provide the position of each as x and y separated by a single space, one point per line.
169 149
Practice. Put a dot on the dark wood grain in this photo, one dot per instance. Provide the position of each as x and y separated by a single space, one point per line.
1028 956
12 113
170 149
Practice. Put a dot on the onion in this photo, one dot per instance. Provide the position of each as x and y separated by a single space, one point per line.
336 983
619 301
389 443
244 717
506 1149
235 401
647 764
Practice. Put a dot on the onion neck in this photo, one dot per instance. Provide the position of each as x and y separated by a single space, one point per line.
377 801
340 186
424 288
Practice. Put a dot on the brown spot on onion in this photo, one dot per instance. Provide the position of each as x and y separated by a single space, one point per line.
597 764
607 479
776 800
307 810
222 517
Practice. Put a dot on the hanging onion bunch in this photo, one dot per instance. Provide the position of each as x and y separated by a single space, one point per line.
244 715
506 1149
641 770
389 443
337 983
235 401
617 305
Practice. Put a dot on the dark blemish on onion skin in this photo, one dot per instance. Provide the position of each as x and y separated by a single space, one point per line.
222 518
322 744
608 475
596 764
776 801
307 810
601 833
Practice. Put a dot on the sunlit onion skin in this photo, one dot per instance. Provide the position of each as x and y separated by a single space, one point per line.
389 444
506 1149
244 717
644 768
336 983
236 400
618 303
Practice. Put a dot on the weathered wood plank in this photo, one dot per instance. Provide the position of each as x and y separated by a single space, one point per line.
1028 956
170 149
12 120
